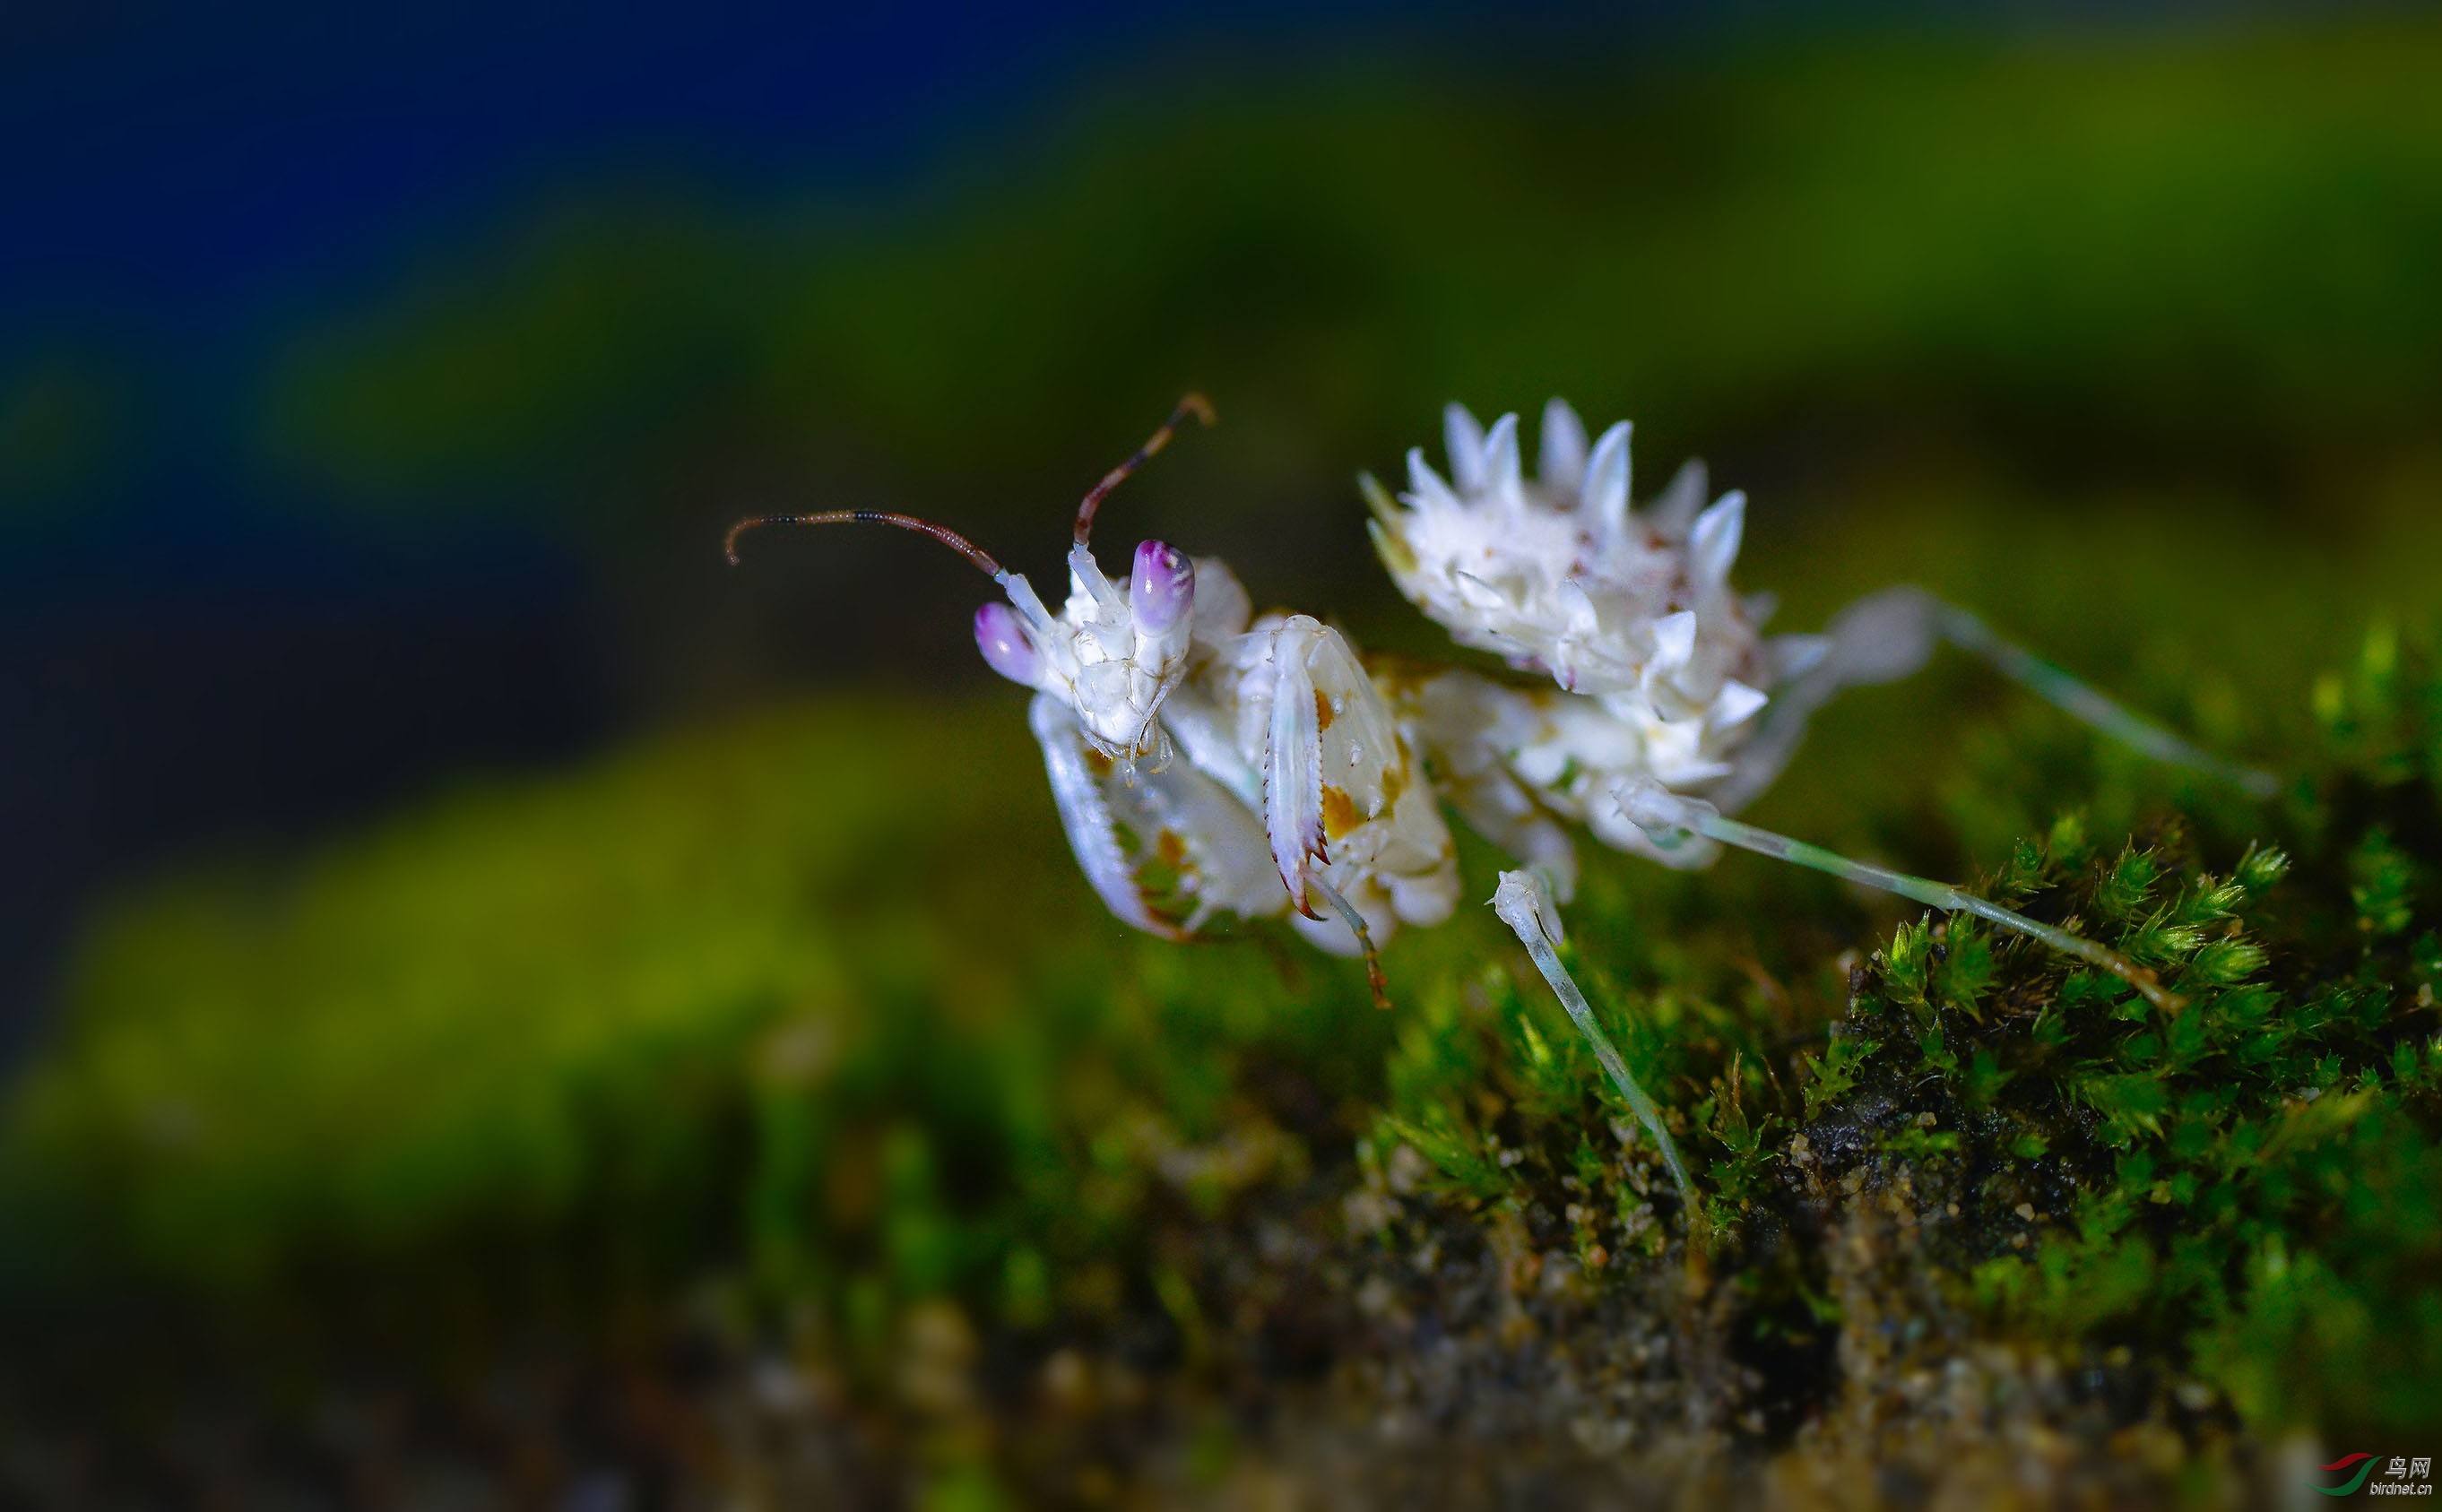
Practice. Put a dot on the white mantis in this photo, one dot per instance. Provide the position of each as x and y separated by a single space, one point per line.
1211 766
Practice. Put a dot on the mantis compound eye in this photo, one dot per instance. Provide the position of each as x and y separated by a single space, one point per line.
1003 640
1162 589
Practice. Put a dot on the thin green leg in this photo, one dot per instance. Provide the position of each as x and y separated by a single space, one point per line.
1527 907
1890 635
2067 693
1665 814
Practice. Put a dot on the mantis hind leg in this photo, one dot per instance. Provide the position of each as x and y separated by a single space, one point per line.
1665 814
2067 693
1890 635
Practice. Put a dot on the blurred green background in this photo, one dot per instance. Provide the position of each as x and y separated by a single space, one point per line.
730 934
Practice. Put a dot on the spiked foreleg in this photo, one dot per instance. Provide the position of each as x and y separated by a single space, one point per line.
1167 851
1352 826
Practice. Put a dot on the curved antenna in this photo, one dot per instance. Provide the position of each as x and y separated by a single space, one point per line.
1189 404
868 516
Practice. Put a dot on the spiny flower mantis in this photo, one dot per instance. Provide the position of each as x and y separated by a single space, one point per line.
1210 766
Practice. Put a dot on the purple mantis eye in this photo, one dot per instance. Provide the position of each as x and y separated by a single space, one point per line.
1004 643
1163 590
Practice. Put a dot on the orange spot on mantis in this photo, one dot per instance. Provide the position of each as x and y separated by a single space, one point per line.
1338 812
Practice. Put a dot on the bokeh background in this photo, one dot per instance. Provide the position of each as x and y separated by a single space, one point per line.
410 829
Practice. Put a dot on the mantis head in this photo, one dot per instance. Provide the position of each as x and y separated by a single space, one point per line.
1111 654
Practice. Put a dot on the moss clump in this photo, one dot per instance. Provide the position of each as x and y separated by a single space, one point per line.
1995 1188
753 996
688 1049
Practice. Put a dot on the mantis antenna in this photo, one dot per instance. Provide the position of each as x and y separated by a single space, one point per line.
1191 404
869 516
1021 593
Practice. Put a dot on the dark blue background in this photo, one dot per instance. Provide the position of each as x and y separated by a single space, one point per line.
194 655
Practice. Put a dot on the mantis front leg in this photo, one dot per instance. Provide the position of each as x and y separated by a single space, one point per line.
1353 827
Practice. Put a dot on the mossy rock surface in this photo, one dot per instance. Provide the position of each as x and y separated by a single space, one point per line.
770 1106
1046 1209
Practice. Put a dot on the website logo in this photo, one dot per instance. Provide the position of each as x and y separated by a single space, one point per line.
2403 1476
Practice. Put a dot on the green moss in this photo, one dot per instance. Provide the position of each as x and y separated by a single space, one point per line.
757 971
810 1014
2242 1192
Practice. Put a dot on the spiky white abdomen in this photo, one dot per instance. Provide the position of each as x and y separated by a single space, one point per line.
1559 575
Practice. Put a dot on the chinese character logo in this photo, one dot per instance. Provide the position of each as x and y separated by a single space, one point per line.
2397 1477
